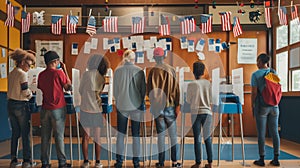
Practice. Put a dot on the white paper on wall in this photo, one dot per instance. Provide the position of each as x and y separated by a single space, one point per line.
76 84
87 47
94 43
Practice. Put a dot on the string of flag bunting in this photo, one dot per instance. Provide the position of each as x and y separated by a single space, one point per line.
187 23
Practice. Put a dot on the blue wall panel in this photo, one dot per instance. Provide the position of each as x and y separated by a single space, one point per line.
290 118
4 125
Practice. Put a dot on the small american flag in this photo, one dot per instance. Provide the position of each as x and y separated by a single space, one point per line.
110 24
91 26
71 24
25 21
10 15
294 12
206 23
187 24
268 17
56 21
138 24
282 16
237 28
164 28
225 21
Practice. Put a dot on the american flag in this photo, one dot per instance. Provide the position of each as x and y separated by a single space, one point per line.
71 24
110 24
10 15
225 21
25 21
56 24
138 24
294 12
206 23
268 17
187 24
91 26
237 28
282 16
164 28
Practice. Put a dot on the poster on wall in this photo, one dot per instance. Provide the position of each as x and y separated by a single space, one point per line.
247 50
43 46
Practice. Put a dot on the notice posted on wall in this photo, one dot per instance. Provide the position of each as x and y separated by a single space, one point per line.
247 50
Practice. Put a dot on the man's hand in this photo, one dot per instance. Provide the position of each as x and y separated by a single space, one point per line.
177 110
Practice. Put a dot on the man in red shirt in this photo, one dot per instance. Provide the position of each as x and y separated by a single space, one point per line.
52 82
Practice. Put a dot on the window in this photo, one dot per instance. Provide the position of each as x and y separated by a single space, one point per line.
288 57
282 69
296 80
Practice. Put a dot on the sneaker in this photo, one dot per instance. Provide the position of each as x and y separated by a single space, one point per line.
159 165
209 165
275 163
66 165
46 166
176 164
98 165
118 165
85 165
197 165
259 163
13 164
26 164
136 166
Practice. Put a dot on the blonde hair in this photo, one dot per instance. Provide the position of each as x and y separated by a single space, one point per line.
18 55
128 55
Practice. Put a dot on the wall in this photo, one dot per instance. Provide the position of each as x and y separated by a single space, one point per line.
289 118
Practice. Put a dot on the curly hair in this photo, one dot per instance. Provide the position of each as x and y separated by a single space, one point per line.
18 55
198 69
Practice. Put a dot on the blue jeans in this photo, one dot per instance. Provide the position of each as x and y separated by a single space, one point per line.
122 119
163 122
19 116
53 120
204 121
267 115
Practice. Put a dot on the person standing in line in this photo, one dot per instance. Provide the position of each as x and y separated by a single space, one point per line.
52 82
199 97
91 119
18 95
163 92
264 114
129 91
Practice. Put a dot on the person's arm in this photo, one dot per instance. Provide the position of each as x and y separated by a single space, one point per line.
68 85
253 96
25 91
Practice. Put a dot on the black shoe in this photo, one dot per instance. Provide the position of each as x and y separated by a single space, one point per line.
46 166
158 165
176 164
259 163
136 166
118 165
275 163
196 165
66 165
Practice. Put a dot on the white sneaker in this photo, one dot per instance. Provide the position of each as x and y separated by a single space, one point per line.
85 165
26 165
98 165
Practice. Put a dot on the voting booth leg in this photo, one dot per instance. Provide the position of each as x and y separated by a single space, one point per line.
126 141
71 142
232 136
242 139
78 136
50 146
219 139
144 140
110 141
182 137
107 138
31 137
151 141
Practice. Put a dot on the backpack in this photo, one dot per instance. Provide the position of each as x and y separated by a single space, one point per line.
272 91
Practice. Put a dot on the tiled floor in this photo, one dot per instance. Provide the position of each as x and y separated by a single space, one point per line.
286 146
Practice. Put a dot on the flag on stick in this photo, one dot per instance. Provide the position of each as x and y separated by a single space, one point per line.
138 24
71 24
56 21
10 15
110 24
164 28
206 23
25 21
237 28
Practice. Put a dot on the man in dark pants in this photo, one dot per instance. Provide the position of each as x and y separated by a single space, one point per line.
163 91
